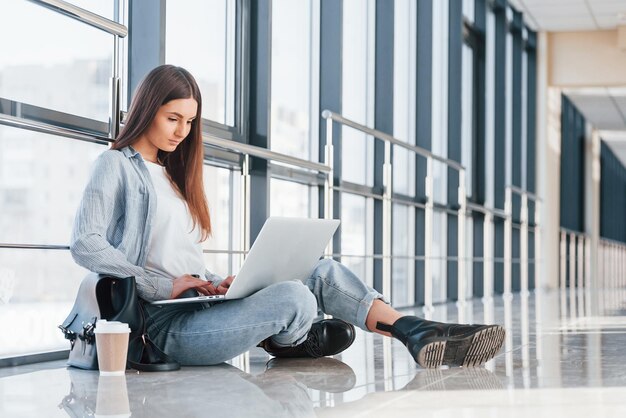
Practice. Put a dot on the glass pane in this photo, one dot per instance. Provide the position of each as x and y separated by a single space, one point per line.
37 290
55 61
404 94
403 171
212 47
403 269
362 267
291 199
37 202
405 62
440 98
469 251
222 189
357 234
294 112
358 90
439 248
104 8
467 117
468 10
524 121
490 43
509 109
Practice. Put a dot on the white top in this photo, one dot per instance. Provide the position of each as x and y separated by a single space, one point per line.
174 248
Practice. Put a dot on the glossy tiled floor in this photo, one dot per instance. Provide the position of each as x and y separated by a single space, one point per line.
563 357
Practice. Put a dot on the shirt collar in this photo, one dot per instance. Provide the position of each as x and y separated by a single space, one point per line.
130 152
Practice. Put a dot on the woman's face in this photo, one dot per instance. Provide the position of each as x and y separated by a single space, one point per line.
172 124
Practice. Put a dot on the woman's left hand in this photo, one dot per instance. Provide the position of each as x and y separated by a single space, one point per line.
224 285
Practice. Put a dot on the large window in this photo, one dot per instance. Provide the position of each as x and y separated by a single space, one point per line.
54 61
404 94
357 220
440 147
291 199
58 70
222 187
358 89
294 82
440 99
490 87
404 126
209 54
38 204
403 265
468 137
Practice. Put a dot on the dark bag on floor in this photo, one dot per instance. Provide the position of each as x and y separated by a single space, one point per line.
113 299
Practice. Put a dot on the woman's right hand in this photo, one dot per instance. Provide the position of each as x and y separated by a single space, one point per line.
186 282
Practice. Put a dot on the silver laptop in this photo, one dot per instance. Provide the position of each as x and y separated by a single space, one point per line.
285 249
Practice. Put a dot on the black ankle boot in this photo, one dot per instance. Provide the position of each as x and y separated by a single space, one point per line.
326 338
433 344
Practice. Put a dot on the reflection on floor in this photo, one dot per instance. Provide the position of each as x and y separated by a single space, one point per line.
563 357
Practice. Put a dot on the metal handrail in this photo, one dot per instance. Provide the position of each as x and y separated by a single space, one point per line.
521 192
264 153
34 246
387 198
611 241
484 209
84 16
571 231
239 252
23 123
67 247
46 128
327 114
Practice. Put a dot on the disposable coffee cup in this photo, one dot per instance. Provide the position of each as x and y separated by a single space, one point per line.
112 347
112 399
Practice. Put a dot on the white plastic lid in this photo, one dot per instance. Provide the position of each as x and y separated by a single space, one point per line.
111 327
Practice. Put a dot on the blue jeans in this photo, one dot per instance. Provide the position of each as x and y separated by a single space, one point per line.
285 311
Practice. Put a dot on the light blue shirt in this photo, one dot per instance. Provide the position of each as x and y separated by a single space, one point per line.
114 220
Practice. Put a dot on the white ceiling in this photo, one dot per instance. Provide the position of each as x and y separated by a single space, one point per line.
572 15
603 107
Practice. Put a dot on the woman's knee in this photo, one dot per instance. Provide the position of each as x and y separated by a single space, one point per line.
295 298
325 268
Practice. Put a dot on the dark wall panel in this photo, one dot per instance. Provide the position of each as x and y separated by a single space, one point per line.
572 167
612 196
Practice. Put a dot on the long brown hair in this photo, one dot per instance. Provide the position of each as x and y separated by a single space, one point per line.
184 164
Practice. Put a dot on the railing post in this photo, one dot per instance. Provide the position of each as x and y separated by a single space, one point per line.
580 256
488 256
524 244
245 206
539 280
580 253
329 183
623 265
599 276
461 232
587 276
428 236
114 105
508 242
563 252
572 274
387 209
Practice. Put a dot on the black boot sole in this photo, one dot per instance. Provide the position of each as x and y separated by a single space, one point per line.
467 350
